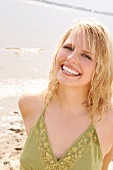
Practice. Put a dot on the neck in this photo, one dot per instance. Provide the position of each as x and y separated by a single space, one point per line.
72 99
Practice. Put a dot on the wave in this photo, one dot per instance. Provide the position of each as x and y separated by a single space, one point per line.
69 6
16 86
22 50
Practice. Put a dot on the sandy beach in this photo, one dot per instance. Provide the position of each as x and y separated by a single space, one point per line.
12 138
29 34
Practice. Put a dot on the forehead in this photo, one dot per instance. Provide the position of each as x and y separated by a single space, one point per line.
79 37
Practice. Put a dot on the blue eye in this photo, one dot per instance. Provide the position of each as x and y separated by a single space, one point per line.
86 56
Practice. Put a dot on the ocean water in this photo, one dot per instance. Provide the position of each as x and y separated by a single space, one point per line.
29 33
101 6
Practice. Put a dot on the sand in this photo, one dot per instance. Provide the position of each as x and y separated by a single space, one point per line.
12 139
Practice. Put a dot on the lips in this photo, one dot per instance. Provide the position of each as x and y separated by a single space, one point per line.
70 70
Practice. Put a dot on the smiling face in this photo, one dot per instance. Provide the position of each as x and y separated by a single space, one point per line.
75 63
81 57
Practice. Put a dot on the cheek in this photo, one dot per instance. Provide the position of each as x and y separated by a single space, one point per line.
92 72
61 56
89 68
59 59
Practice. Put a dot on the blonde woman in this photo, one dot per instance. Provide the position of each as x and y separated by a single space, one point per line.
70 124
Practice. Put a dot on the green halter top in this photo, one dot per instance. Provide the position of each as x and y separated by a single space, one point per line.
84 154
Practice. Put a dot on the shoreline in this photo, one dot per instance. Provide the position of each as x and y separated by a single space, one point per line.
73 7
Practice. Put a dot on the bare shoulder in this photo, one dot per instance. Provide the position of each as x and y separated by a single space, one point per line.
110 116
30 101
31 106
107 159
109 121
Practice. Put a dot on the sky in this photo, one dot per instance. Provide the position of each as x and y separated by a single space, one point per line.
101 5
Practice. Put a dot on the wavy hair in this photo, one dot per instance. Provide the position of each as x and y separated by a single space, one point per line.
100 43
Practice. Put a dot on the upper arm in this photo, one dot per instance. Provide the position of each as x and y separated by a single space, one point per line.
30 105
107 159
25 105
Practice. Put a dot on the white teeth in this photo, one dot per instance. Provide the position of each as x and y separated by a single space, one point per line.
70 71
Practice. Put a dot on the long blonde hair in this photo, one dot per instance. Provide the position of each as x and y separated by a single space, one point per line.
100 42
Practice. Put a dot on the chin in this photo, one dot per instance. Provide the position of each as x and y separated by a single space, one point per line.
75 85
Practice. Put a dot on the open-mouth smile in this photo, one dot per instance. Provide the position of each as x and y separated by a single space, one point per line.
70 70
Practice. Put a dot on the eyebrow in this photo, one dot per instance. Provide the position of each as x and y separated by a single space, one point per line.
86 52
66 43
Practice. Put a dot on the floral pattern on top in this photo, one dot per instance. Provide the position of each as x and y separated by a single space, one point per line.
76 151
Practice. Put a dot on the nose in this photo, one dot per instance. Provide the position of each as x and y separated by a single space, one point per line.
73 57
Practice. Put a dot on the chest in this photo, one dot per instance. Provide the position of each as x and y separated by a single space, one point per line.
86 147
62 135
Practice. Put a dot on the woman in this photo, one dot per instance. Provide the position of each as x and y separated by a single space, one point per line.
70 124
